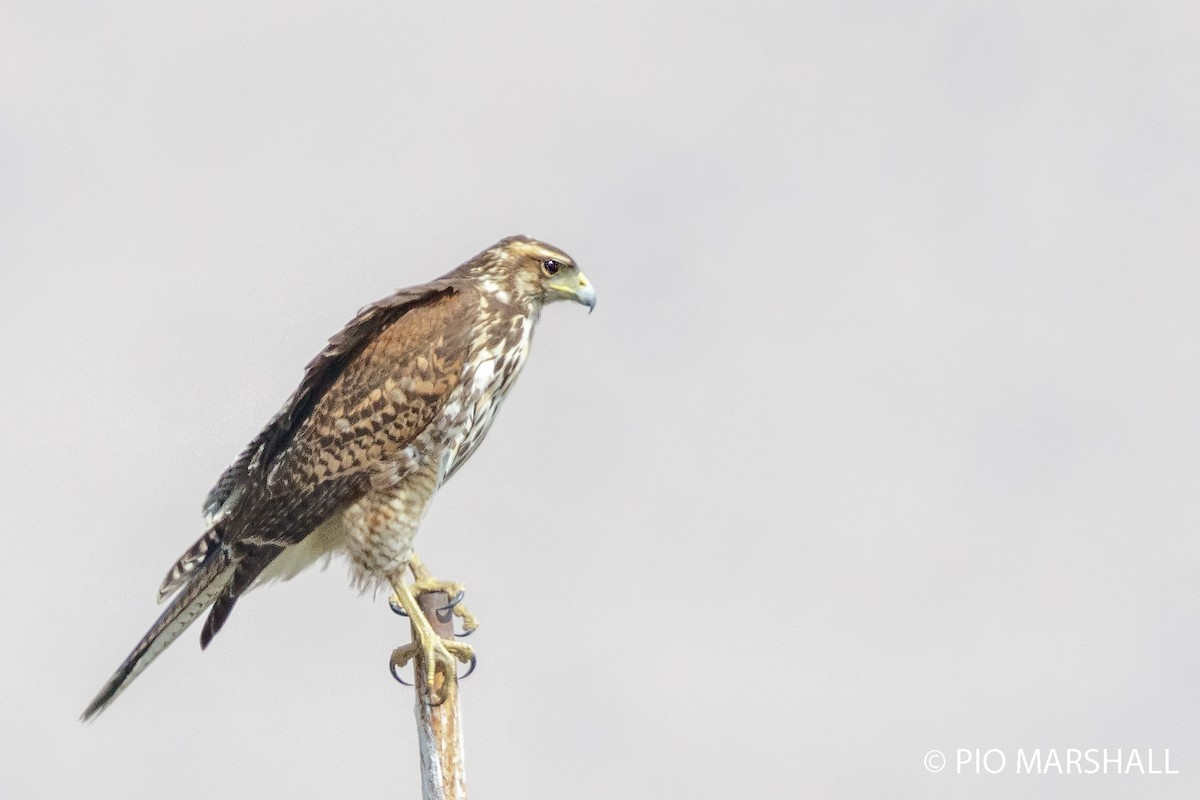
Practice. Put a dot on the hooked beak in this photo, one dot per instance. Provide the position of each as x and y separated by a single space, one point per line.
577 287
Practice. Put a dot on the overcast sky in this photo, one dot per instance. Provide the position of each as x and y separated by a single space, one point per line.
883 438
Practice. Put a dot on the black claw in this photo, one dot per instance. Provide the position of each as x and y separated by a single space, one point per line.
392 667
470 669
443 614
446 612
466 633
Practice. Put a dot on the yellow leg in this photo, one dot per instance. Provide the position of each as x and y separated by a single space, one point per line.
429 649
424 582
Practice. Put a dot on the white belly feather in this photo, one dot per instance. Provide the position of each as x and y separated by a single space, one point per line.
328 538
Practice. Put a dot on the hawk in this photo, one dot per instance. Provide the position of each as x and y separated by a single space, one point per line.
391 408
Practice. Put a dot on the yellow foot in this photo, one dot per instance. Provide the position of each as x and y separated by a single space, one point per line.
430 650
423 582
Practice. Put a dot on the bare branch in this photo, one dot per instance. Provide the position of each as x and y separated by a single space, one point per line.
439 729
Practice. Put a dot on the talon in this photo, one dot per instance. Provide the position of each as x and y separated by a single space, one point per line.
470 669
470 623
446 654
396 607
429 649
447 612
425 584
400 657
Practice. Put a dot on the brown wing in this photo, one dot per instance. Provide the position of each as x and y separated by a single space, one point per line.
245 477
319 374
369 394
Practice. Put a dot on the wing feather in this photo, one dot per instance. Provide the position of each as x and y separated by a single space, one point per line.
369 394
319 374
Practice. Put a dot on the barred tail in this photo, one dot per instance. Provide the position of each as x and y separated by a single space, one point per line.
196 557
204 587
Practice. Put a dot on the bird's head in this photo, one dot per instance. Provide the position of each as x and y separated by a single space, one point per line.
535 272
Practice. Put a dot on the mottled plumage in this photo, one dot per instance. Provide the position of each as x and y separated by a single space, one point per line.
386 413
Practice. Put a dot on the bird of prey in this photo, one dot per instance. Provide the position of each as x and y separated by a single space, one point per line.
385 414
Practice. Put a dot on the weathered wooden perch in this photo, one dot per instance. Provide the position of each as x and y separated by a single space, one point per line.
439 728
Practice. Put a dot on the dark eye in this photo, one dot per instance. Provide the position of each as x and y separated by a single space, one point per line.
550 266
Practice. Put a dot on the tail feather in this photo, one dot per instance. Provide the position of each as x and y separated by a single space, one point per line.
244 575
199 593
221 610
196 557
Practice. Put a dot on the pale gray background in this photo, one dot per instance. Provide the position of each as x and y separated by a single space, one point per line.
883 436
